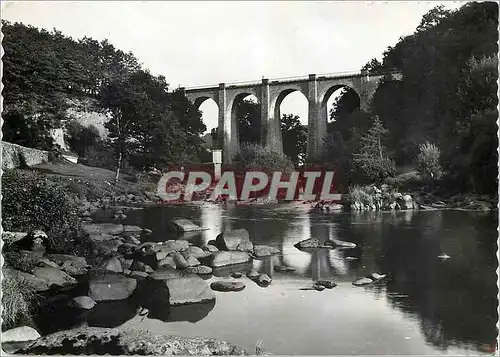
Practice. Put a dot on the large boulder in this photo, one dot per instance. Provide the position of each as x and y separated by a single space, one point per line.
94 340
308 244
18 338
224 258
111 287
230 240
54 277
185 225
106 228
183 287
363 282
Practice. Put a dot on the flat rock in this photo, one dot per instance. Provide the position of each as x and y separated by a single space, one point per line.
226 286
83 302
210 248
20 334
326 283
178 245
362 282
185 225
71 264
111 287
376 276
95 340
318 287
135 229
264 251
283 268
200 269
230 240
54 277
194 251
224 258
183 288
106 228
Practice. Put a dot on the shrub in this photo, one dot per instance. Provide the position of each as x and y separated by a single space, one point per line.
428 161
18 301
360 194
254 156
31 201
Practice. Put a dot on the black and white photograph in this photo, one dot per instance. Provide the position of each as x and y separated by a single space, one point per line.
249 178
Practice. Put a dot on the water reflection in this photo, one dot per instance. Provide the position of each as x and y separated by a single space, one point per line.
454 301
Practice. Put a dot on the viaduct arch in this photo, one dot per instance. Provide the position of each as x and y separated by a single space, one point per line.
270 93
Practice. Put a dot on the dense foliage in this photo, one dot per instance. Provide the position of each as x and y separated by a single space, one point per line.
448 96
428 161
294 136
254 156
81 138
45 71
38 203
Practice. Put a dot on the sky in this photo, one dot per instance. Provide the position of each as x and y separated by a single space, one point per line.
208 42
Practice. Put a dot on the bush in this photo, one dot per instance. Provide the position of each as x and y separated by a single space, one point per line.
360 194
254 156
18 300
31 201
428 161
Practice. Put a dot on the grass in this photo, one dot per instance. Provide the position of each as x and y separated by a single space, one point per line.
18 299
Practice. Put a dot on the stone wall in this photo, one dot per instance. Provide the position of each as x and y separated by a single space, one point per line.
12 153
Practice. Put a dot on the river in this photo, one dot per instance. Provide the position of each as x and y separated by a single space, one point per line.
428 306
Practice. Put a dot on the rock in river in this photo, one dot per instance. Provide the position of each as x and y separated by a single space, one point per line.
264 251
185 225
230 240
362 282
111 287
263 280
83 302
225 286
326 283
94 340
183 287
106 228
194 251
200 269
54 277
223 258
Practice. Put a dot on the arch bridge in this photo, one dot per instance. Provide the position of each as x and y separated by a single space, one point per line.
270 93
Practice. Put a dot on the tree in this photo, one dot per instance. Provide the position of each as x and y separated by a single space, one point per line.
248 116
428 161
81 138
294 136
129 108
371 159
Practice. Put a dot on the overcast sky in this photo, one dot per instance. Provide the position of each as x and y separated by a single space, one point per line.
208 42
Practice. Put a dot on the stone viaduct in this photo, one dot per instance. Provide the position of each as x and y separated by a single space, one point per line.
270 93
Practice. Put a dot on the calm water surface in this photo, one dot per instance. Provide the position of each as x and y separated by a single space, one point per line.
429 305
